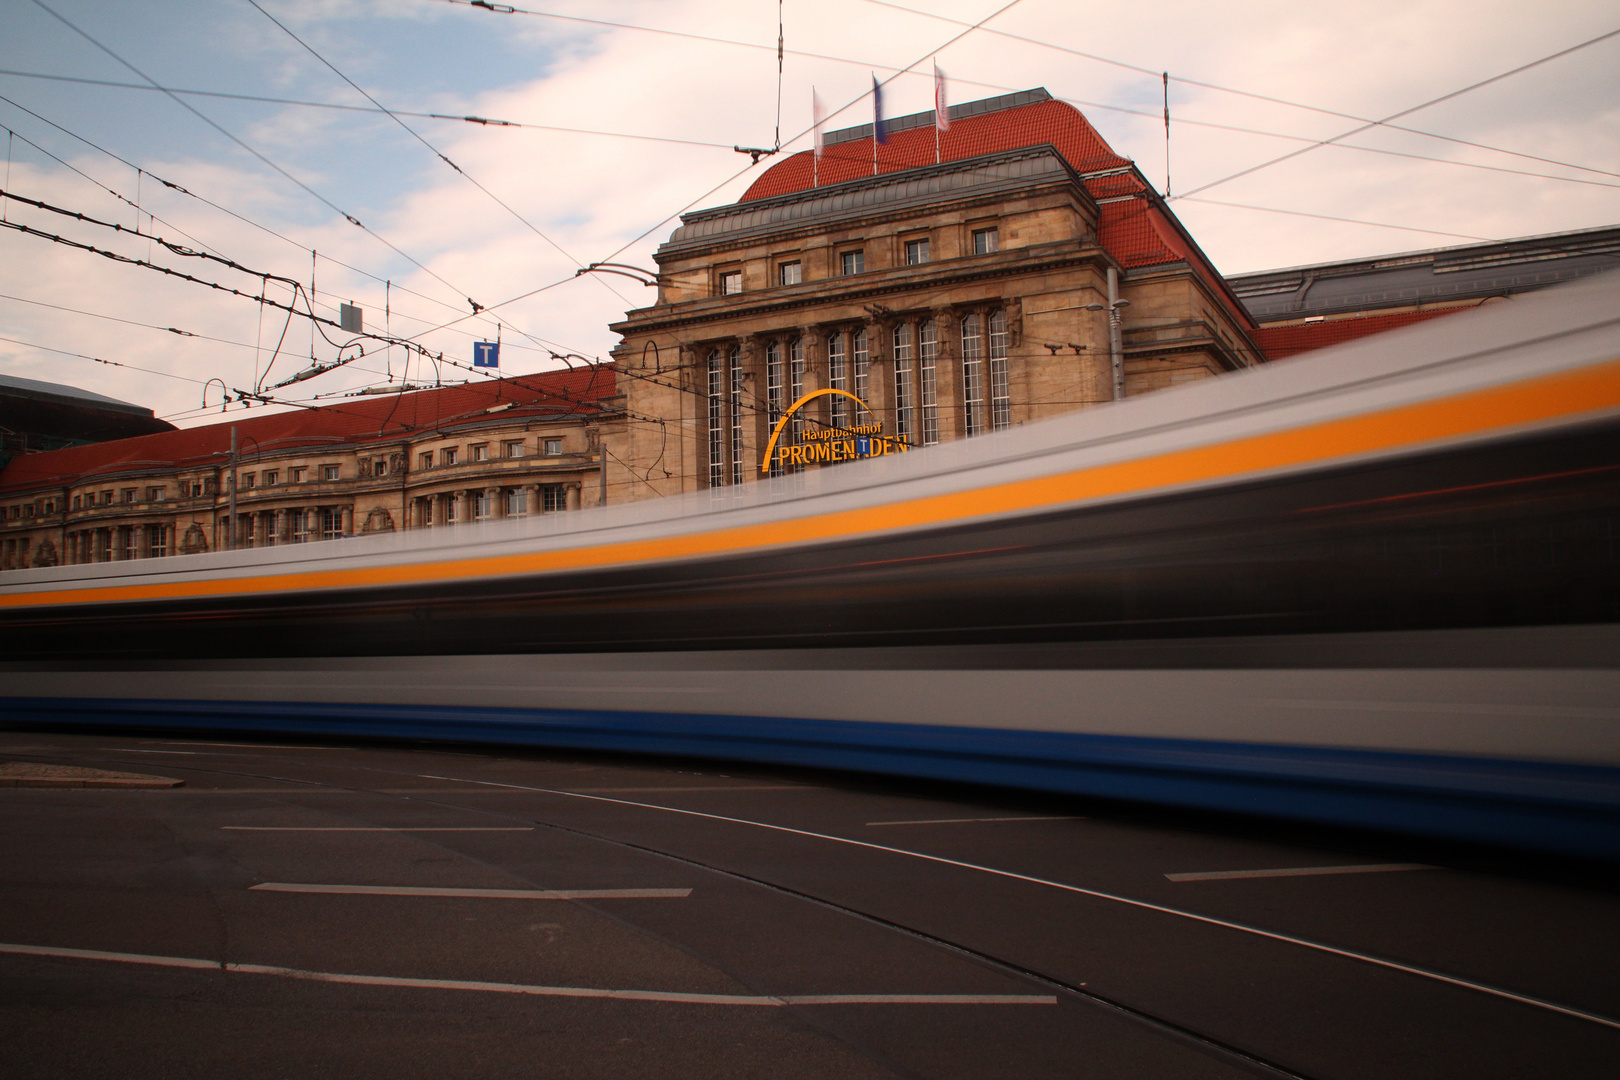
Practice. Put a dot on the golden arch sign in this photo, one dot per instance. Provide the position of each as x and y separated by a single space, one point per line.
832 444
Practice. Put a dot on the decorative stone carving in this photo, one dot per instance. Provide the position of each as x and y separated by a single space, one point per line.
195 541
378 521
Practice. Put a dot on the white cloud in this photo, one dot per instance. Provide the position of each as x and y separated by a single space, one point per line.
593 195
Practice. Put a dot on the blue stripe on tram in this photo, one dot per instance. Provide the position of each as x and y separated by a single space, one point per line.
1572 809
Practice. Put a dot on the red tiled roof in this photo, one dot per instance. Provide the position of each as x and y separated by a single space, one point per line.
1136 232
1278 342
1055 122
354 420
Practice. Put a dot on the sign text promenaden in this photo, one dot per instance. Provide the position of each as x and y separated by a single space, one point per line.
831 444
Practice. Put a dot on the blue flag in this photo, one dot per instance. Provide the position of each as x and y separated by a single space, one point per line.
877 111
486 354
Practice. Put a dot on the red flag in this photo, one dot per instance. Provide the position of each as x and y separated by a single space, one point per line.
942 112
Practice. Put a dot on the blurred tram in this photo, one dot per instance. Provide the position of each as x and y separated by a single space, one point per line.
1376 586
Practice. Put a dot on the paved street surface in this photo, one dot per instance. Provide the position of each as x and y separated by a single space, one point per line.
317 910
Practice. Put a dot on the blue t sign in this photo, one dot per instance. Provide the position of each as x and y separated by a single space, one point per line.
486 354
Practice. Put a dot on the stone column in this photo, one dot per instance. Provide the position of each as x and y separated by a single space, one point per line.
496 510
261 529
115 546
571 496
441 508
531 492
348 520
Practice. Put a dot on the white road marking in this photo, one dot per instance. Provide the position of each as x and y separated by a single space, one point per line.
369 828
1301 871
251 746
1349 954
116 957
729 787
671 997
971 820
485 894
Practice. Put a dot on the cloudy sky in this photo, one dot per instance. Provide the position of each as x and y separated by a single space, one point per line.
632 123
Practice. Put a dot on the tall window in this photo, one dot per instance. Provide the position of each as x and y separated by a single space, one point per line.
331 524
517 503
860 362
1000 393
775 392
928 381
973 373
796 371
300 526
903 419
127 537
838 376
157 540
735 408
916 252
553 497
725 416
483 506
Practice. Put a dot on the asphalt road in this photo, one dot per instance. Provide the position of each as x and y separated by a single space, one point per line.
320 910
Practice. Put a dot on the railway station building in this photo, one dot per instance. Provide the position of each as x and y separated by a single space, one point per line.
424 459
1300 308
956 283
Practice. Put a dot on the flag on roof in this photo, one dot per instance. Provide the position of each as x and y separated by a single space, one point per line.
877 111
818 120
942 112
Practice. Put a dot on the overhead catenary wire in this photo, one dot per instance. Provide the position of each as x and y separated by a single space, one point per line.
1047 44
1405 112
239 142
188 193
531 226
749 167
1184 121
481 121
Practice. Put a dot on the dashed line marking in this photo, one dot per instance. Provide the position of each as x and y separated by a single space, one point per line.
373 828
972 820
1300 871
1163 909
666 996
473 894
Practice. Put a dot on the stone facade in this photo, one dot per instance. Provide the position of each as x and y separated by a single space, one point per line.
169 494
954 299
